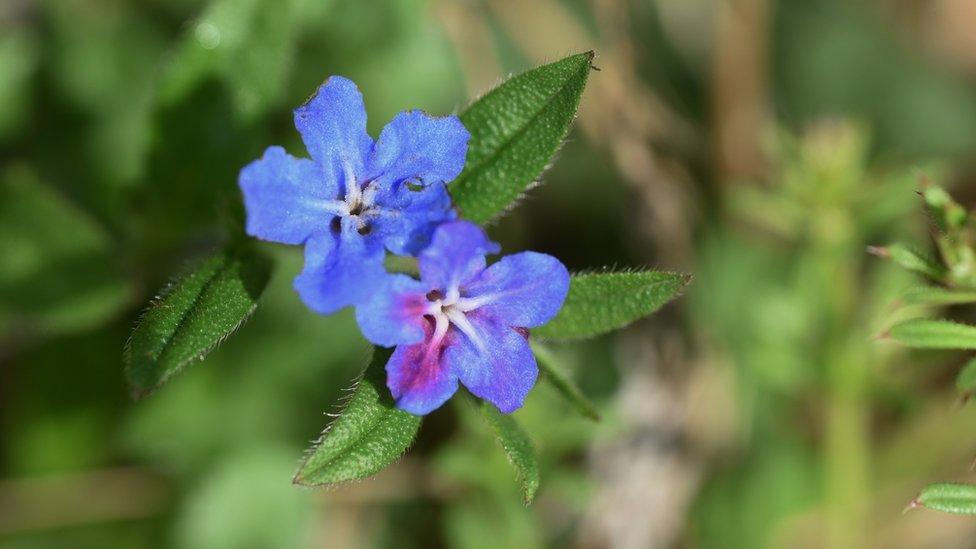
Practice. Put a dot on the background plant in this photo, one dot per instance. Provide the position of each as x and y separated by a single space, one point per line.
110 107
949 284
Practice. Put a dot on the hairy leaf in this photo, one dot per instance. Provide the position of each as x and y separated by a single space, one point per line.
518 448
949 497
938 296
911 260
554 373
948 214
193 315
602 302
934 334
515 130
370 433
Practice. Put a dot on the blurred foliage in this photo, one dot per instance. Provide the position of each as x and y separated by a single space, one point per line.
951 281
812 296
123 126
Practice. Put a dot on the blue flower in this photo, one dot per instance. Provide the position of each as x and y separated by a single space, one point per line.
464 322
355 198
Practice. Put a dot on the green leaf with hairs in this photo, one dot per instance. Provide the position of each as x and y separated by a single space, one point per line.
959 499
517 446
911 260
515 130
934 334
946 212
938 296
193 315
370 433
599 303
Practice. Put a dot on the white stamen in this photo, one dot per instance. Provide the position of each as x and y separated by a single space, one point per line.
451 309
369 195
441 323
458 319
334 207
453 294
353 192
467 304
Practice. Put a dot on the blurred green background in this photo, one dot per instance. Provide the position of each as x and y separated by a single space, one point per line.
759 144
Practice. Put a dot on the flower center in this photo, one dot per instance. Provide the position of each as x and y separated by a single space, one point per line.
451 309
357 204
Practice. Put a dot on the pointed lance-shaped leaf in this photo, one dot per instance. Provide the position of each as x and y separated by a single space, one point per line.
194 314
516 128
929 295
946 212
934 334
555 374
911 260
518 448
599 303
370 433
959 499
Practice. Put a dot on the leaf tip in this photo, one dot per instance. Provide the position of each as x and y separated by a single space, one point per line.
299 478
915 503
590 56
879 251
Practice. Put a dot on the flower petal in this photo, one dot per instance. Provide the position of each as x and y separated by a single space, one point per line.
394 315
419 378
409 217
287 198
340 270
333 126
456 254
525 289
418 147
501 370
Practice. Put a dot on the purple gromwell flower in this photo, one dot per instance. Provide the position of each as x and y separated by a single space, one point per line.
355 198
464 322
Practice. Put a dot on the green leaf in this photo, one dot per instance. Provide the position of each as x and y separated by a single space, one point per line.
370 433
248 43
515 130
966 378
938 296
948 497
210 43
193 315
948 214
19 56
602 302
911 260
49 282
554 373
934 334
517 447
